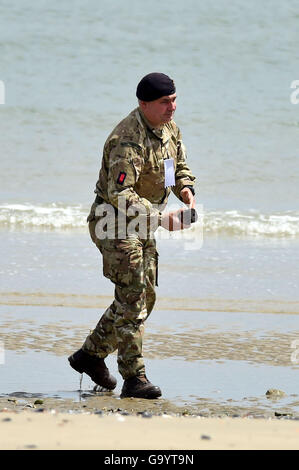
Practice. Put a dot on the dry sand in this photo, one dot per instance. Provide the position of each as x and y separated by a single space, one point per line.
56 430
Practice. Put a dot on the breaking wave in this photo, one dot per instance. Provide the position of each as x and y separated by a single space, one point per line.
253 223
52 216
231 223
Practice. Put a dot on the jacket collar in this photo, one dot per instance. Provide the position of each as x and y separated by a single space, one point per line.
161 133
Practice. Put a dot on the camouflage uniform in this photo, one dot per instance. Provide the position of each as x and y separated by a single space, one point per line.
132 172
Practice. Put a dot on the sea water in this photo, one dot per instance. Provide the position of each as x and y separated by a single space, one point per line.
70 71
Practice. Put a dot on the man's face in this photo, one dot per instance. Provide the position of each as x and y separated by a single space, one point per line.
160 111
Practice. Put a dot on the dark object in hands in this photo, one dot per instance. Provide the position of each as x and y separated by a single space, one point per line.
189 216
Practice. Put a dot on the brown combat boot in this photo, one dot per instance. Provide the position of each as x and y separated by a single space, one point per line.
140 387
93 366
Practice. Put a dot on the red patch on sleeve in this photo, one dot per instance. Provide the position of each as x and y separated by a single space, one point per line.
121 177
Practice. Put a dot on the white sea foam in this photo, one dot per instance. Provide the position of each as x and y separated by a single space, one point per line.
231 223
253 223
52 216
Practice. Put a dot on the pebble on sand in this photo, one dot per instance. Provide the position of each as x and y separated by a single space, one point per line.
205 437
275 393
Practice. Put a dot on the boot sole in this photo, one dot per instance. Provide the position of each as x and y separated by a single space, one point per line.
147 396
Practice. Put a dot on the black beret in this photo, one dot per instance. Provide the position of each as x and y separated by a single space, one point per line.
154 86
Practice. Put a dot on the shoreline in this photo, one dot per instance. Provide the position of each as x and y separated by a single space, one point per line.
214 390
109 403
226 369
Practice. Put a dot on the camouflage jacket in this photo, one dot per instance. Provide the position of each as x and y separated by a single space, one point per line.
133 163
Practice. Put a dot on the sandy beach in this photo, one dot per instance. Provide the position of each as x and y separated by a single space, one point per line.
56 430
100 420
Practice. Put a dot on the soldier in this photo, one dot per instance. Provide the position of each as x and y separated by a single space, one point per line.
143 160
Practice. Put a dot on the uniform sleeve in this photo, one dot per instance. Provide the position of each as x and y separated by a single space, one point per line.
183 175
125 164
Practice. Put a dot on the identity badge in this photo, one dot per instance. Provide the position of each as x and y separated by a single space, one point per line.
169 172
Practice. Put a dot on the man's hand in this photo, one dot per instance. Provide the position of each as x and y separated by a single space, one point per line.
172 221
188 198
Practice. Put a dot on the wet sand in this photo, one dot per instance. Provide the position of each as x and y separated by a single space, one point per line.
251 335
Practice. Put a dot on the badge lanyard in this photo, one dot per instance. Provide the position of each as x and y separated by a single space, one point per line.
169 173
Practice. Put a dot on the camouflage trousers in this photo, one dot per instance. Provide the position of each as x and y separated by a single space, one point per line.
131 264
